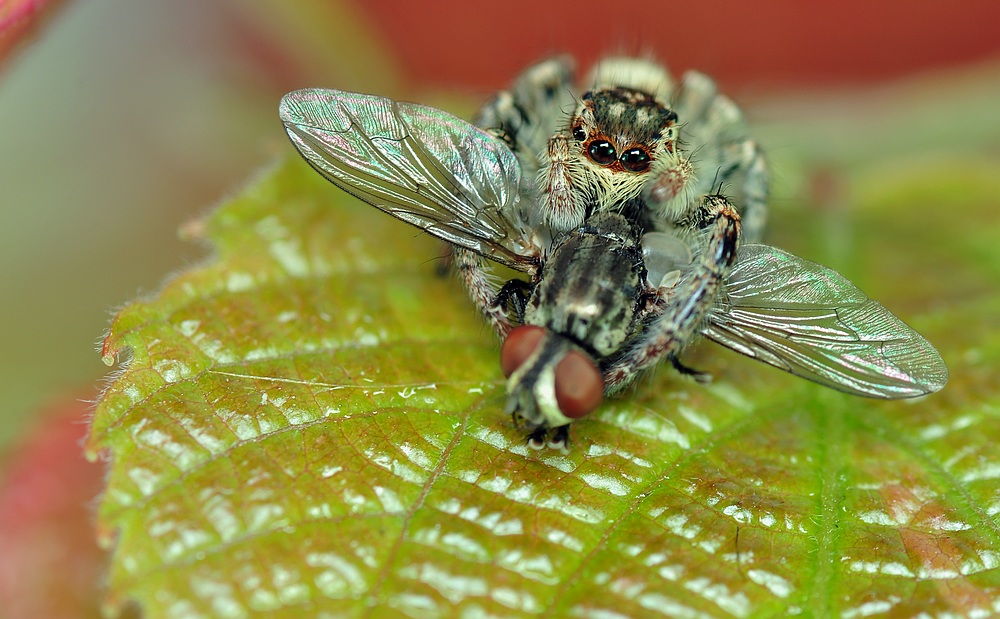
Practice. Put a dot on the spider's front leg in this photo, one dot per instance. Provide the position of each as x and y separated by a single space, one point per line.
480 281
677 321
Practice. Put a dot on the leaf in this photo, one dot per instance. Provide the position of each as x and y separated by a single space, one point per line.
311 424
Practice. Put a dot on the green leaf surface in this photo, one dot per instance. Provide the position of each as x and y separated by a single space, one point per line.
311 424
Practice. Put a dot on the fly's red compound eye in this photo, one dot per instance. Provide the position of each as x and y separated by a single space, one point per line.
579 385
518 346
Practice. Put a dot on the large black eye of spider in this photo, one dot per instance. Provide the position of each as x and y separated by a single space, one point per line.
635 160
602 152
579 134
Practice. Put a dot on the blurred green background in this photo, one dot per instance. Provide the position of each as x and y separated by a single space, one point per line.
122 119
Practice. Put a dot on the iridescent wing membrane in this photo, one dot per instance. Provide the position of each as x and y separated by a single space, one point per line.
809 320
417 163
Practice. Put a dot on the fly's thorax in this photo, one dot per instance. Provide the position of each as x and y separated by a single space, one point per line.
591 285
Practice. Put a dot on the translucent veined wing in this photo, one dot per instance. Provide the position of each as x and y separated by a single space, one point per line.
811 321
417 163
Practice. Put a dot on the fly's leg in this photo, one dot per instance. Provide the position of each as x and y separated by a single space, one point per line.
559 438
702 378
554 438
514 292
677 321
480 283
539 437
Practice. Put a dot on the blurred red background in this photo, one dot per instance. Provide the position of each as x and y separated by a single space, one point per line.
775 42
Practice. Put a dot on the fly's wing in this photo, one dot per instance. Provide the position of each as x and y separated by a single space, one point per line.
811 321
417 163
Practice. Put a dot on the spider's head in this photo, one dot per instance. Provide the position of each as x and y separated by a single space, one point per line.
625 136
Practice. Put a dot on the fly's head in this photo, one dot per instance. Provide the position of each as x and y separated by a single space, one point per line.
551 382
626 139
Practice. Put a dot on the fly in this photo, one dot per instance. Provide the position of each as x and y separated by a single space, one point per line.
629 253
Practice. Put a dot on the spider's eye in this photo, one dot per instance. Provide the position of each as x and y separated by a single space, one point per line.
635 160
602 152
579 134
